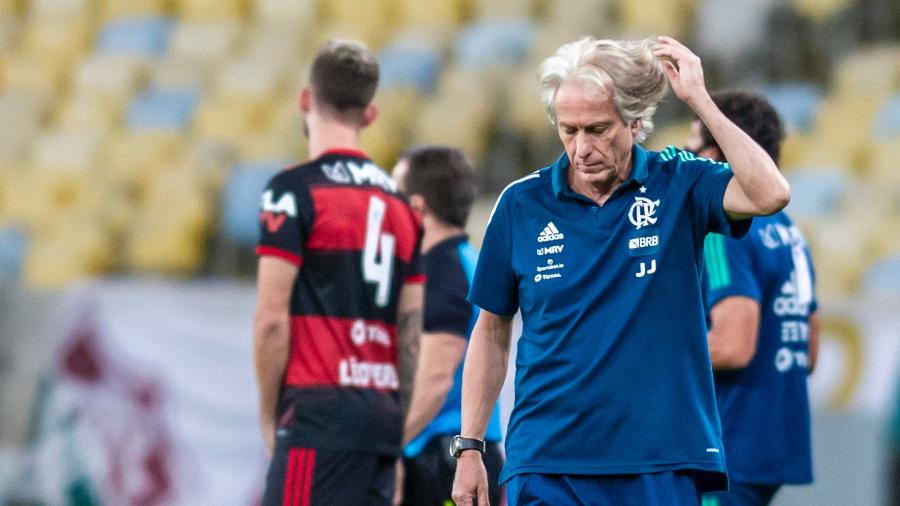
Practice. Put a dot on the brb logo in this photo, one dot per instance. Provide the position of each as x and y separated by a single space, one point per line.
642 211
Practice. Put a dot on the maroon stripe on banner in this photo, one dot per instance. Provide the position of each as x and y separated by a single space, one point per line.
289 480
342 215
308 467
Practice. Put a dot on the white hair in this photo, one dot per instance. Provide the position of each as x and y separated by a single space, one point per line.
628 68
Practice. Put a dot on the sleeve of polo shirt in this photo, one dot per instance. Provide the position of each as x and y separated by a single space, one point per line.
708 195
283 220
495 287
728 269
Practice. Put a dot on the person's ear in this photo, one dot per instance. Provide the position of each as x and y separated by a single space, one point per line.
369 114
417 202
635 127
305 100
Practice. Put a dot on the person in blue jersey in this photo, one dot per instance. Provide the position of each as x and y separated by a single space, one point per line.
439 182
601 252
763 330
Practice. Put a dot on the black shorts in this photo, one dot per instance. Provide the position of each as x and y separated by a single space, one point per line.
316 477
429 476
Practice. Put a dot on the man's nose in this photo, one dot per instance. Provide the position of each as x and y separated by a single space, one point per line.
582 145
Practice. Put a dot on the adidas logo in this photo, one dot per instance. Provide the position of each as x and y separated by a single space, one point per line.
550 233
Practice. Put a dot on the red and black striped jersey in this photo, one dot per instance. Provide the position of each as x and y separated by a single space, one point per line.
356 240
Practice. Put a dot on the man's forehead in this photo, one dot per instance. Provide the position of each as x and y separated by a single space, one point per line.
584 102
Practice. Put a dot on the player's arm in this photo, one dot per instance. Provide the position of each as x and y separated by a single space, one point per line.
733 333
757 188
815 329
483 375
409 328
440 354
272 337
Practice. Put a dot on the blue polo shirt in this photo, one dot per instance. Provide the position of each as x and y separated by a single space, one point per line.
612 373
772 265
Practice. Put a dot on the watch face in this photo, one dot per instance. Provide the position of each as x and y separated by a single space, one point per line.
454 446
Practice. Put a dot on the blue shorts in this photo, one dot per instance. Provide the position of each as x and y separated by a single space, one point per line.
742 494
668 489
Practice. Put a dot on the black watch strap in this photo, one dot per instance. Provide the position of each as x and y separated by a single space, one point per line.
460 444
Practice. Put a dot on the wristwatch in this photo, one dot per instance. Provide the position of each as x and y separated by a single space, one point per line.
460 444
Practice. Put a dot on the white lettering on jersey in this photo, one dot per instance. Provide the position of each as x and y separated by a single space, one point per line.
287 204
369 173
354 373
360 334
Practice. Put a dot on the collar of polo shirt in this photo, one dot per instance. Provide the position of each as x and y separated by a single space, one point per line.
561 168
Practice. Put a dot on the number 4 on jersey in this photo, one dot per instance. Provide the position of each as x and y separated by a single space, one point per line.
378 252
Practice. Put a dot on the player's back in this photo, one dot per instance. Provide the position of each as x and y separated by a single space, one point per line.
355 239
772 265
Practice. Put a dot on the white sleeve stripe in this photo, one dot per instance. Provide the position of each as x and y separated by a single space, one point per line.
510 185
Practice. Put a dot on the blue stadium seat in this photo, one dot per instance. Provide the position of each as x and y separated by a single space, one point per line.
883 276
410 66
494 43
817 191
796 102
887 120
163 109
241 198
145 37
12 252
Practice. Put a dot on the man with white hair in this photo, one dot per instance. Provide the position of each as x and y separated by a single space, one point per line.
602 253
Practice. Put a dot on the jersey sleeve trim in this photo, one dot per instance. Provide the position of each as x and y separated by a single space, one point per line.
292 258
415 279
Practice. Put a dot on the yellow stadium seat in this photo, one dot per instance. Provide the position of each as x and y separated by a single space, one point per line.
581 17
387 136
645 18
523 104
437 14
71 10
11 7
833 142
211 160
249 78
300 15
180 73
884 240
77 247
838 247
170 231
821 10
875 69
206 39
57 38
230 118
63 150
10 27
89 112
22 114
369 21
281 46
29 72
212 9
504 9
674 134
109 76
883 162
133 8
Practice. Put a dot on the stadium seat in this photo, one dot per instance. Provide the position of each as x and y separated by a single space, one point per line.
369 21
796 103
134 158
820 10
12 252
111 76
410 64
212 9
163 109
230 119
26 71
11 7
110 9
89 112
646 18
839 252
887 119
580 17
140 37
389 134
71 10
62 150
674 134
500 43
875 69
835 142
211 161
204 39
241 197
78 247
499 10
817 191
179 73
883 162
57 39
10 28
22 114
277 45
247 78
299 15
441 16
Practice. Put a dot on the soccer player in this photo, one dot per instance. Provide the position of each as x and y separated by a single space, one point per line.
340 300
602 252
764 331
439 183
